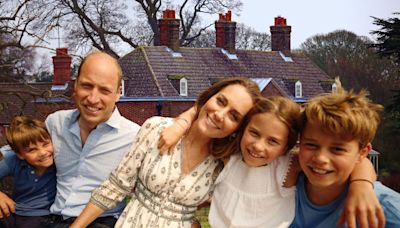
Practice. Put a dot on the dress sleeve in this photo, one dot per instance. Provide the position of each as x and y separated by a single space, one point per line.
123 178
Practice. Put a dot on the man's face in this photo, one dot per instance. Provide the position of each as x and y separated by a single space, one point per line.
96 90
327 159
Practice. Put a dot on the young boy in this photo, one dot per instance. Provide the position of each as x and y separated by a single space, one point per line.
337 132
33 172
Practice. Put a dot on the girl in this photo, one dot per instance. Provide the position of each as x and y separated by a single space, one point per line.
168 189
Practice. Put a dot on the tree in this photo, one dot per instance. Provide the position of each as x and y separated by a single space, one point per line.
246 39
344 54
388 37
16 56
105 24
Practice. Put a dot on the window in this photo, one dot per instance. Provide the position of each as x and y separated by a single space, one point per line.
334 88
122 87
183 87
298 89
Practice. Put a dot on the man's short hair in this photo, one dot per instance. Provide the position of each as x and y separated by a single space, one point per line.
105 53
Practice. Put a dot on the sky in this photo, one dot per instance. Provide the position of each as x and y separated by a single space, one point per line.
312 17
309 17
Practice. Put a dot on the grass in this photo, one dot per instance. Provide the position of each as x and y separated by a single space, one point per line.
202 216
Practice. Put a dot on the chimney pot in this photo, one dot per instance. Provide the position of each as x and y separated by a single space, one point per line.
229 15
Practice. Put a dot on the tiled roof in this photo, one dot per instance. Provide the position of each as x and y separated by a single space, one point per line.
150 71
17 98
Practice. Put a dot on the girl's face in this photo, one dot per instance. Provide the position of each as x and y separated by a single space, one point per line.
221 115
264 139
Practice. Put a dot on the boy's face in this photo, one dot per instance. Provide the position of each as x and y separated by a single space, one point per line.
264 139
39 154
327 159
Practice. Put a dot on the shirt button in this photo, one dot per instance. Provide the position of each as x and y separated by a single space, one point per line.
32 172
36 180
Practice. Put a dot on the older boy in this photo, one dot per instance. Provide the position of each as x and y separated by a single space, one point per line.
337 132
29 160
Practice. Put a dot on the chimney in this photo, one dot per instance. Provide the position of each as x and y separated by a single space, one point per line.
169 30
225 30
62 67
280 35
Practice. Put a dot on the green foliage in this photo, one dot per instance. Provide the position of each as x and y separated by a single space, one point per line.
202 216
388 41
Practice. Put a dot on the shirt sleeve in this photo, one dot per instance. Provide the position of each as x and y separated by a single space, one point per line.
7 161
390 201
123 178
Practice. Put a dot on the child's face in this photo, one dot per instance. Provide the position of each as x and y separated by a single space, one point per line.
327 159
39 154
264 139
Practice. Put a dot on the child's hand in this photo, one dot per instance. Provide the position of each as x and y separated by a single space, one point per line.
170 137
7 205
362 207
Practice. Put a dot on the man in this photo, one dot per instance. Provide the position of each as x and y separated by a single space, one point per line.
89 141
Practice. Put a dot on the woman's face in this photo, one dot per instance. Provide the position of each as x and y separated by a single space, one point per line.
222 114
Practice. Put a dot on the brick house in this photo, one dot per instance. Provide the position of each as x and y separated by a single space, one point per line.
166 79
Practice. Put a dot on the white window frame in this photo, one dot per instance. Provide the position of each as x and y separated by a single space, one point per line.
334 87
183 87
122 87
298 89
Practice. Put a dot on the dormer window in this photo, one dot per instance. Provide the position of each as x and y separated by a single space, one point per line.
298 89
183 87
334 88
122 87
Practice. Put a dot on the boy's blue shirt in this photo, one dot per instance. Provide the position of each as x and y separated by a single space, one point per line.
32 194
309 215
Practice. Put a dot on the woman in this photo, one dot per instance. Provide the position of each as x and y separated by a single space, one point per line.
168 189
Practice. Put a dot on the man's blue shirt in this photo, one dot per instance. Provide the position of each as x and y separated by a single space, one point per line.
82 169
33 194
